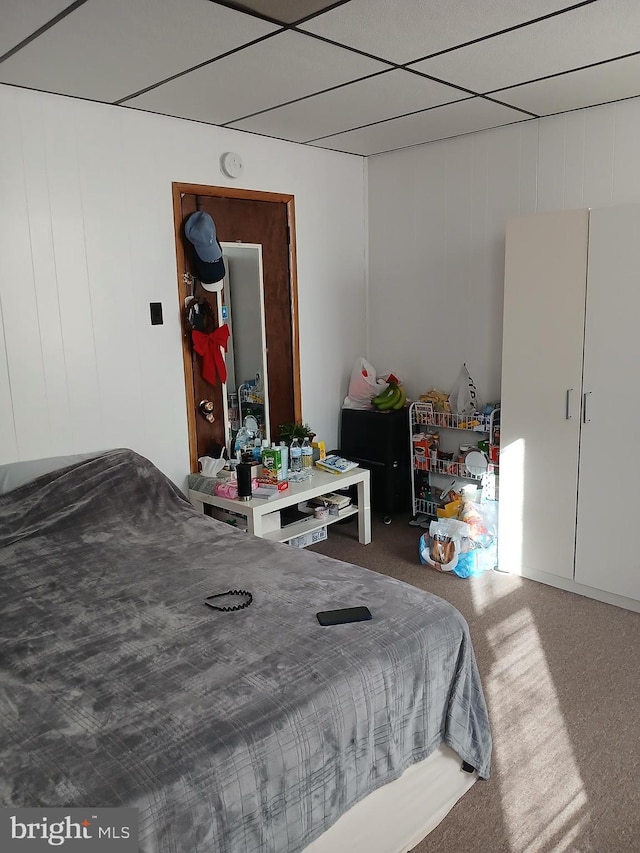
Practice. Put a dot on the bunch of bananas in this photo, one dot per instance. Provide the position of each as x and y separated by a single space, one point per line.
393 397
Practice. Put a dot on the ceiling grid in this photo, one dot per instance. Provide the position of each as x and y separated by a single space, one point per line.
359 76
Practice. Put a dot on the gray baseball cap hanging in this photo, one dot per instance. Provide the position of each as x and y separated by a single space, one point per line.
200 231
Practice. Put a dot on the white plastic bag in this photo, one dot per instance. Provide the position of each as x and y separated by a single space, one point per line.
448 538
464 397
363 386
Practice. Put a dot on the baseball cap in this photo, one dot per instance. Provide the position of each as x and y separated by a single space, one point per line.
200 231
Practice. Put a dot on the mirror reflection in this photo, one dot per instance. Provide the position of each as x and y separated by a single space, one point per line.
242 308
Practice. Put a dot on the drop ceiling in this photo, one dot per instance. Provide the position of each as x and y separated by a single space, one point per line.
359 76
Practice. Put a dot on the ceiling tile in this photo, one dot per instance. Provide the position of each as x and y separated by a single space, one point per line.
288 66
583 36
20 19
597 85
386 95
108 49
405 30
304 88
286 11
440 123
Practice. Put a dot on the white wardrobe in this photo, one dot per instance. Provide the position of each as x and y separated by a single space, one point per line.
570 419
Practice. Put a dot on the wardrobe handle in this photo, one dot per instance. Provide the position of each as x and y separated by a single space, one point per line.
585 396
568 404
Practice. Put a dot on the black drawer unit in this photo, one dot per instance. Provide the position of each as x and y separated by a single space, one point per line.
379 441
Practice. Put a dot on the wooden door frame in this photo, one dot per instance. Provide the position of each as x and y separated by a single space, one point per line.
180 189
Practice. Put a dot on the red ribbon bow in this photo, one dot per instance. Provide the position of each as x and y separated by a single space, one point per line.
210 347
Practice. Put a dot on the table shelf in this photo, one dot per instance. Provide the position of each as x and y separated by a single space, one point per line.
308 525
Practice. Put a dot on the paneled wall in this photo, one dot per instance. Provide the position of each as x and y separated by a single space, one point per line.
87 242
437 218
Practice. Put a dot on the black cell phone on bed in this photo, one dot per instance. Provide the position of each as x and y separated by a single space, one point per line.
347 614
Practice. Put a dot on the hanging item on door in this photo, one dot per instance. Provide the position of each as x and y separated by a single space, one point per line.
464 398
198 315
210 347
200 231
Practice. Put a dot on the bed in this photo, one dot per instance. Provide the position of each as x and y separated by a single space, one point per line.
254 730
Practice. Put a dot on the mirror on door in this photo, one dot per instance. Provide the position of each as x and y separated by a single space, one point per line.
242 308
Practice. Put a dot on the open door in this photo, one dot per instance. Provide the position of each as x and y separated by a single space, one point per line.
267 219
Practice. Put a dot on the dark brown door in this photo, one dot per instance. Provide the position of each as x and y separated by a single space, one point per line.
248 217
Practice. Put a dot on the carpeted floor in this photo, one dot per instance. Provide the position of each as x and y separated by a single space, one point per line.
561 678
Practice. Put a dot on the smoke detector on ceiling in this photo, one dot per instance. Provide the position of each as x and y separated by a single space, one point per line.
231 164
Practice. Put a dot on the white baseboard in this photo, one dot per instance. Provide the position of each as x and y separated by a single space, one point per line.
588 591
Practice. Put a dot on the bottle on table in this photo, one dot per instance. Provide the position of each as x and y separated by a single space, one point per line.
307 453
295 456
284 455
243 440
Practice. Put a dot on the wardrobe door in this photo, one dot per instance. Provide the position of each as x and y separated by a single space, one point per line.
607 550
544 303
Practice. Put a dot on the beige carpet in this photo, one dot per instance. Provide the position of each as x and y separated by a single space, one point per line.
561 676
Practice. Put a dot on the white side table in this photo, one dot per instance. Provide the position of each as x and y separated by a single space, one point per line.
321 483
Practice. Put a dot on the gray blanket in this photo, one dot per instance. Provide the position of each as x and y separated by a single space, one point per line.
230 732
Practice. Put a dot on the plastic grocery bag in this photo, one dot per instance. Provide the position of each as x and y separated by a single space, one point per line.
464 398
448 538
482 519
363 386
468 547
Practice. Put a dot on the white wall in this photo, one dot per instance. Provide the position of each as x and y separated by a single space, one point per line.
437 218
87 241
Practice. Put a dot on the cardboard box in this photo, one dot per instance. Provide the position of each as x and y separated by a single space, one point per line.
449 510
281 486
319 450
307 539
423 444
272 468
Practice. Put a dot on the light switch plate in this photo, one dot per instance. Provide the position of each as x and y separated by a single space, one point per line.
155 310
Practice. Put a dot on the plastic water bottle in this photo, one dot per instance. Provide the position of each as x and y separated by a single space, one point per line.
295 456
307 453
244 440
284 455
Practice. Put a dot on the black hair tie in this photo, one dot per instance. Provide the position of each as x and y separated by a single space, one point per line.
249 599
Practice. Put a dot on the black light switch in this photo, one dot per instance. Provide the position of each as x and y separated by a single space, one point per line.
156 313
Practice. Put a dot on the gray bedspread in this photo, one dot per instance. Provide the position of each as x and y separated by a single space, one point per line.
230 732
